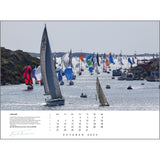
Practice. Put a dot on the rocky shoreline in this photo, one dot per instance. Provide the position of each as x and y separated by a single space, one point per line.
12 63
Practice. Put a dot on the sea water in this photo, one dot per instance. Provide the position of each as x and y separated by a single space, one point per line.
141 97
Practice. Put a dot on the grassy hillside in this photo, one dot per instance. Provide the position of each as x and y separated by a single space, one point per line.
12 63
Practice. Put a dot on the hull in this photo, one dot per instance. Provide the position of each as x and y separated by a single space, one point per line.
102 105
55 102
30 87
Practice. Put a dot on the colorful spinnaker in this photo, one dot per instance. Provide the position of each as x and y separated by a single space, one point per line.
89 63
111 58
33 74
88 57
81 58
68 73
107 64
91 69
129 60
27 75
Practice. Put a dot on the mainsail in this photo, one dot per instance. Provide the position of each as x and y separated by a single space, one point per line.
77 67
67 59
101 96
51 85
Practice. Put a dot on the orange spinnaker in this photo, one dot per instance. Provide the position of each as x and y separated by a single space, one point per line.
107 64
81 58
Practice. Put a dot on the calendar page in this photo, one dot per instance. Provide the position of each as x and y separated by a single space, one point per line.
80 80
79 125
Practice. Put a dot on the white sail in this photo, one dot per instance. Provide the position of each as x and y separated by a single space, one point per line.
38 74
77 67
70 59
96 68
50 80
96 65
67 60
101 96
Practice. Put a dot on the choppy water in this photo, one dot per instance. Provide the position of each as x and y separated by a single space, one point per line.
142 97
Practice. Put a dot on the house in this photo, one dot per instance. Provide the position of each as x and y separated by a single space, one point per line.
147 69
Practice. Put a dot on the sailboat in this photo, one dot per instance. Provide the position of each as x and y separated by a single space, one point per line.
60 78
96 64
38 74
50 80
81 60
71 65
68 73
34 75
78 68
27 76
101 96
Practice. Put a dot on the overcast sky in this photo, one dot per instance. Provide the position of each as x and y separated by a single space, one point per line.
85 36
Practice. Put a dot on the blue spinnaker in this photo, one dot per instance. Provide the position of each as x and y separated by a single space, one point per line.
88 57
33 74
129 60
91 69
68 73
111 59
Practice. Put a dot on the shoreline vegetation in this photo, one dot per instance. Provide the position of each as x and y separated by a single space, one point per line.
12 63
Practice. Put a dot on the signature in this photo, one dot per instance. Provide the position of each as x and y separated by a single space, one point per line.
20 132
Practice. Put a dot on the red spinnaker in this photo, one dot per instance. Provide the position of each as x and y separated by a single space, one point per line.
27 75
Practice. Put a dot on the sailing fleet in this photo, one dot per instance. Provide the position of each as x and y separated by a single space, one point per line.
50 73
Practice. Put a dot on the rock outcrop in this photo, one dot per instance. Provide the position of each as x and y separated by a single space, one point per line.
12 63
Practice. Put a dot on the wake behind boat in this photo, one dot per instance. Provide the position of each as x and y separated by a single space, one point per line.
51 85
